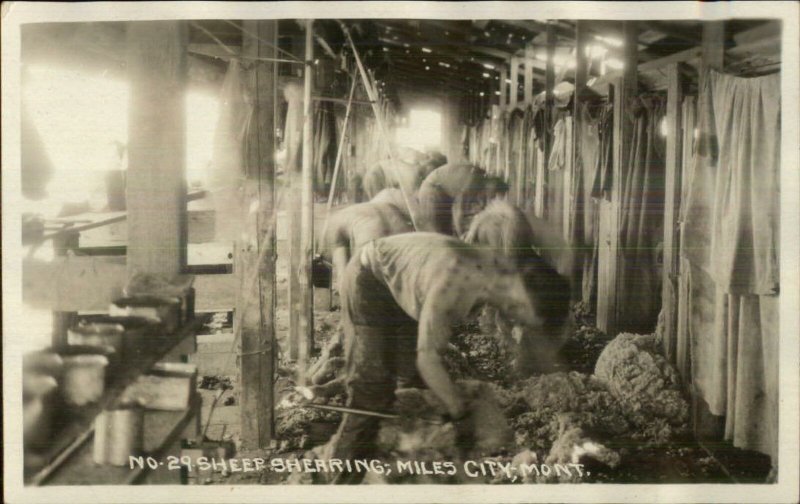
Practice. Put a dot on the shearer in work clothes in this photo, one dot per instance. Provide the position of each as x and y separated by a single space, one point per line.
452 194
400 296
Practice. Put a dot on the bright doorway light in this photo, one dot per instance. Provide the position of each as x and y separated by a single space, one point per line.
202 115
83 123
424 130
82 120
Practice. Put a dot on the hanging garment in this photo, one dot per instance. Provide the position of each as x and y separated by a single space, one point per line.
641 220
529 167
729 244
602 184
584 208
325 145
558 176
559 153
541 182
543 133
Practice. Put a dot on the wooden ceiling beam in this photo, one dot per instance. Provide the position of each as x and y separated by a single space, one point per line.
397 52
433 76
674 31
462 52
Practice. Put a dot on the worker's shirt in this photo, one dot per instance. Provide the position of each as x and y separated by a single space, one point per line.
394 196
456 179
436 279
358 224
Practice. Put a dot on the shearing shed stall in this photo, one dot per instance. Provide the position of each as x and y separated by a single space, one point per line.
401 251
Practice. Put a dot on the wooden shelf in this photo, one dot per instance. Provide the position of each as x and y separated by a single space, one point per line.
162 429
153 347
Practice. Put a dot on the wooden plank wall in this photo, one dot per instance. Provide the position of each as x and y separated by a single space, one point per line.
84 283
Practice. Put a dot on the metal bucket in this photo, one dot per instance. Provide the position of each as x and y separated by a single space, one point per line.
83 378
38 408
139 333
98 334
118 434
165 310
44 362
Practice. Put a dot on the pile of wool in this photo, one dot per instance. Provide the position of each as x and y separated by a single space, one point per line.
582 349
583 314
579 400
484 357
574 446
574 457
646 386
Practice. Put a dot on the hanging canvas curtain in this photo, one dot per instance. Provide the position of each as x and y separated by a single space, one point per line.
642 219
683 337
584 208
603 175
730 238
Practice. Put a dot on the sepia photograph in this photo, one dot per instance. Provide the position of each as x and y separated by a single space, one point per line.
490 251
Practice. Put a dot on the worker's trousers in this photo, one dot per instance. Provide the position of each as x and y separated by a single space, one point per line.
380 345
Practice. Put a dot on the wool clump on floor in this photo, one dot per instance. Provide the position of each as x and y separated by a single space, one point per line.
646 385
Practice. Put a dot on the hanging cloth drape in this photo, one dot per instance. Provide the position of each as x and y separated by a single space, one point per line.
730 243
227 169
557 186
584 208
732 212
325 144
601 186
642 220
682 358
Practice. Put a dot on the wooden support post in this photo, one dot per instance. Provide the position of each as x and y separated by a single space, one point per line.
294 131
672 202
514 86
62 320
608 311
549 84
581 64
156 188
581 39
528 75
503 87
713 46
306 315
254 261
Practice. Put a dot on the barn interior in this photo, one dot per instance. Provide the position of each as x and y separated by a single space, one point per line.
187 171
